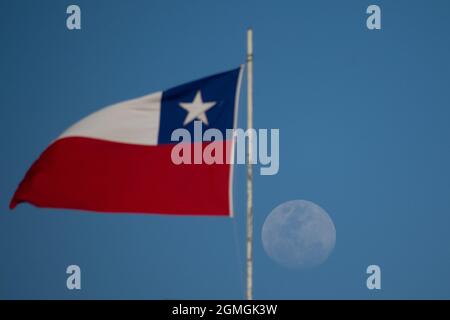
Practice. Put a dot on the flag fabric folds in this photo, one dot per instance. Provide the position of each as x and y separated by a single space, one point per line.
118 159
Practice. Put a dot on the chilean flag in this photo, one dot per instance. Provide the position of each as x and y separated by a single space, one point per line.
118 159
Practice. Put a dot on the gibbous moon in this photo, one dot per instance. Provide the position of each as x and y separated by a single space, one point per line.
298 234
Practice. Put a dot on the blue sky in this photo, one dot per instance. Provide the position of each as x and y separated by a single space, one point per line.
364 132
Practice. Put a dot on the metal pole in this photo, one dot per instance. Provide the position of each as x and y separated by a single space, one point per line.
249 165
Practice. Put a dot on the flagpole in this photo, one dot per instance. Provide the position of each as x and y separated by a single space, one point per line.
249 164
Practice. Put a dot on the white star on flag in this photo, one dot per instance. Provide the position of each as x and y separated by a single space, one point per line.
197 109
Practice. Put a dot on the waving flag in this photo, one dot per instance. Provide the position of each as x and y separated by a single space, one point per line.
118 159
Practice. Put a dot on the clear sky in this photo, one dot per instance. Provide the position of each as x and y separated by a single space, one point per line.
364 132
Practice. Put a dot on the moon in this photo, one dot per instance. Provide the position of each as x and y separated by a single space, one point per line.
298 234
